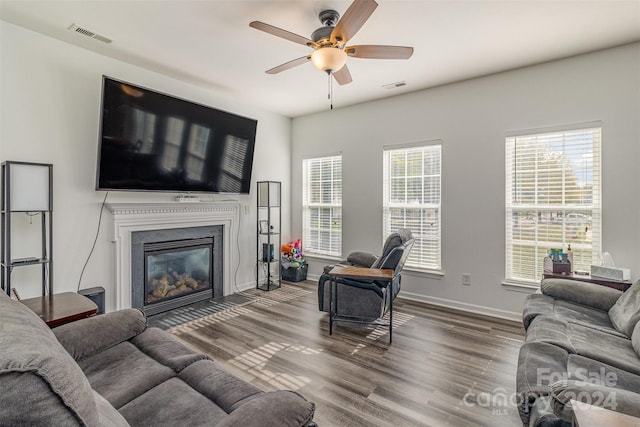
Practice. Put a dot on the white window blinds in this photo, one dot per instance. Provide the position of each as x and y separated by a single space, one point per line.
412 200
322 205
553 199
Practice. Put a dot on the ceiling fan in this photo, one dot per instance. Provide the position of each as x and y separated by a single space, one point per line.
329 42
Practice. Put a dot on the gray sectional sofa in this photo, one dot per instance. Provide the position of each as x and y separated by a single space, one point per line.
582 343
112 370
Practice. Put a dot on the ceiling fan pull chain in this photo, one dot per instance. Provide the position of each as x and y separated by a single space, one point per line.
330 94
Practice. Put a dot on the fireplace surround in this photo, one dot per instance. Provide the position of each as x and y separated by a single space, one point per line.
129 218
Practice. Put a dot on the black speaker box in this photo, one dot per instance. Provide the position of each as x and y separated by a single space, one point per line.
96 295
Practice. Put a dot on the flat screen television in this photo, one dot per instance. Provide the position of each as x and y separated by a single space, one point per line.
155 142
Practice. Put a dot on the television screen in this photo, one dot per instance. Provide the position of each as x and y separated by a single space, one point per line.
155 142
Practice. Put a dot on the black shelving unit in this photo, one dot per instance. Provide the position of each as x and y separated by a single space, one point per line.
27 188
269 238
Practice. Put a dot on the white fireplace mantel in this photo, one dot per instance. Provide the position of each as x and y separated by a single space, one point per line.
131 217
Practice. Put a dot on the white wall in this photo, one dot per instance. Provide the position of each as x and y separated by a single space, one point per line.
471 118
50 104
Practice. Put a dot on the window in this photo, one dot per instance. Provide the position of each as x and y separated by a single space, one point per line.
412 200
553 198
322 205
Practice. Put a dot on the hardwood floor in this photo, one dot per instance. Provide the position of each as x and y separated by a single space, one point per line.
444 368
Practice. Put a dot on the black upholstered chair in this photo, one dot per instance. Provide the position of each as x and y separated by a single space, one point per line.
362 299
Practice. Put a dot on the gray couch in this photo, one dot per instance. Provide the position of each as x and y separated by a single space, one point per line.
111 370
582 343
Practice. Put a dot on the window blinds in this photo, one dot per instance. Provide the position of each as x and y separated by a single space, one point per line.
553 199
322 205
412 187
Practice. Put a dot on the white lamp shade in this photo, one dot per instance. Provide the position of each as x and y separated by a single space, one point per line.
268 193
29 187
329 59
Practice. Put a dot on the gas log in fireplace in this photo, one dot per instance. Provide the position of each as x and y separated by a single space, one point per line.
175 267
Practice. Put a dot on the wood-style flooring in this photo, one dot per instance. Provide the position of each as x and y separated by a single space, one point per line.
444 368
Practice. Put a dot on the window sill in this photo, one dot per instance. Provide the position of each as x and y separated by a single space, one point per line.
524 287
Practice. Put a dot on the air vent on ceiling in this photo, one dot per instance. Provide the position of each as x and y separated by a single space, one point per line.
89 33
395 85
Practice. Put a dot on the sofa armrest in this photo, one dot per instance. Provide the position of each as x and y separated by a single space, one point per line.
362 259
584 293
276 408
89 336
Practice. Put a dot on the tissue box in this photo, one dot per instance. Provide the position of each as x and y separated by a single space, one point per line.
611 273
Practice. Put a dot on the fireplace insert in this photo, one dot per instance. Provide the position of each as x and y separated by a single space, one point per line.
174 269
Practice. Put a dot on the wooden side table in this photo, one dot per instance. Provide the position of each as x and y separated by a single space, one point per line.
621 286
593 416
58 309
356 273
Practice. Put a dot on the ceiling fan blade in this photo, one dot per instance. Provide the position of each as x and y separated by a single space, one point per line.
290 64
279 32
379 52
343 76
352 20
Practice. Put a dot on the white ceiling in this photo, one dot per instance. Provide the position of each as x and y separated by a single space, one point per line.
210 43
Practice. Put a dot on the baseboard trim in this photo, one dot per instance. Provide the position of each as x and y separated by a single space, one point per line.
314 277
463 306
244 286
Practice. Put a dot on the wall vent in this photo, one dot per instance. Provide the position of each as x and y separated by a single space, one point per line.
395 85
89 33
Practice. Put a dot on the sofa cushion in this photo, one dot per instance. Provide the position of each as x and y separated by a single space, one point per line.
165 349
393 240
539 304
81 340
37 373
276 408
225 390
583 293
578 339
539 365
157 407
123 372
582 368
626 311
611 398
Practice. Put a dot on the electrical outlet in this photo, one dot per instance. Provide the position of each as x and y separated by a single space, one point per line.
466 279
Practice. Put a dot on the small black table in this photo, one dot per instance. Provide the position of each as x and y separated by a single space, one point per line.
384 276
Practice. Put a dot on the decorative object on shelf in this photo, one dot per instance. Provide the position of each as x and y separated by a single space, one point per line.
293 266
27 188
269 225
557 262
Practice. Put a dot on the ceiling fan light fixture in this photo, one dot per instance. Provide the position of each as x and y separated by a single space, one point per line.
329 59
